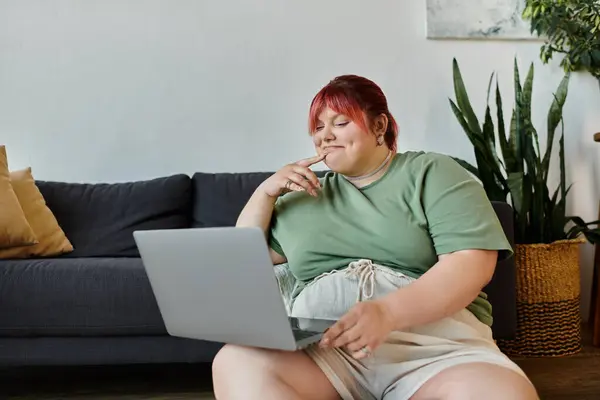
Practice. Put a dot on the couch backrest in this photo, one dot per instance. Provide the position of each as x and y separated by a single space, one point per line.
99 219
220 197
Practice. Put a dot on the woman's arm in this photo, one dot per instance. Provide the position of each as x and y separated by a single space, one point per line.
257 213
445 289
259 208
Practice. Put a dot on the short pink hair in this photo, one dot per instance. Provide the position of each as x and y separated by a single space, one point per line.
360 99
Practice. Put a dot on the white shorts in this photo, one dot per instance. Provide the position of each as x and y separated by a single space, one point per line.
400 366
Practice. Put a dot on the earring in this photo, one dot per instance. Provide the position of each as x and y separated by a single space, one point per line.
380 140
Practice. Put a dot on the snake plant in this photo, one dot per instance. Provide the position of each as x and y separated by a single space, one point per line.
513 168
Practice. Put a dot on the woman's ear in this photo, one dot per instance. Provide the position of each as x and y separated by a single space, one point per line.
380 124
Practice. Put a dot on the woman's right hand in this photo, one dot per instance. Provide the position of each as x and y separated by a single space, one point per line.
294 177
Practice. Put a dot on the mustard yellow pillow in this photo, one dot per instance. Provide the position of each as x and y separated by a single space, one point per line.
52 240
14 228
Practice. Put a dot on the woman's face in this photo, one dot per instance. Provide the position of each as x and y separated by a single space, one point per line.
349 149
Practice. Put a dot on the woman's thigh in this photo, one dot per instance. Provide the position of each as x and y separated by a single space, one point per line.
238 365
477 381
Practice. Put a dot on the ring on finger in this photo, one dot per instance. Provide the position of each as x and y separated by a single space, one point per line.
288 184
365 350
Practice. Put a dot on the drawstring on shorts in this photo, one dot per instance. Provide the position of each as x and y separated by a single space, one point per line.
365 271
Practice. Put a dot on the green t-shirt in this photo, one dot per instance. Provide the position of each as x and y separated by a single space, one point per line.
425 205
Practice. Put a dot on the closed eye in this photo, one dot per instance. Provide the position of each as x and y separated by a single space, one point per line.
342 123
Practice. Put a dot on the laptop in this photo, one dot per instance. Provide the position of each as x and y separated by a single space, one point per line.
219 284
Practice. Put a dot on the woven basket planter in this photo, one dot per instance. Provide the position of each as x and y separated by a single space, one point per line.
548 307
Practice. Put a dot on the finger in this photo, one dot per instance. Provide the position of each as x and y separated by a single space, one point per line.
363 352
300 184
358 342
368 349
345 323
350 337
295 187
307 162
309 175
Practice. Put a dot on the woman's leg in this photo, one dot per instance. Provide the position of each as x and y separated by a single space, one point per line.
477 381
250 373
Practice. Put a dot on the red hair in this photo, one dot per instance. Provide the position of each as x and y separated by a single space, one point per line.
358 98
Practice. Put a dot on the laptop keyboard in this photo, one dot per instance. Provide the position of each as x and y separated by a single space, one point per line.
299 335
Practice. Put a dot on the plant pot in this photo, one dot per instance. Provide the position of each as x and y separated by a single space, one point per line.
548 300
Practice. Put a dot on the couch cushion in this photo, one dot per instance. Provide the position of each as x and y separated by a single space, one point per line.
220 197
51 238
14 228
80 297
99 219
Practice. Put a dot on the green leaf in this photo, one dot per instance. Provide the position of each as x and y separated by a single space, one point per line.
507 153
488 162
528 134
488 134
561 157
513 144
554 118
488 124
488 179
475 139
517 123
468 166
529 235
579 221
463 100
596 56
485 174
549 215
515 184
540 216
569 29
559 219
593 236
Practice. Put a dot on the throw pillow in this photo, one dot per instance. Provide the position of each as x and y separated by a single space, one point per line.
14 228
51 238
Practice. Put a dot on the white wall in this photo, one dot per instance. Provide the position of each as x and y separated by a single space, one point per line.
120 90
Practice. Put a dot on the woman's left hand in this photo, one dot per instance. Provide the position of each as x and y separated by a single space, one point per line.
361 330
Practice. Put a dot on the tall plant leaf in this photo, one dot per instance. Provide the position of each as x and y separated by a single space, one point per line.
516 122
490 171
533 162
515 184
522 170
462 99
464 105
468 166
554 118
507 151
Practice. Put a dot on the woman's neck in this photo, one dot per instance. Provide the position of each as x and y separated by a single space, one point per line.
373 173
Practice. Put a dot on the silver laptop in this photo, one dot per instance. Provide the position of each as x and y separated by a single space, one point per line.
218 284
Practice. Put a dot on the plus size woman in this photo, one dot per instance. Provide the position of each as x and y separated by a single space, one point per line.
395 246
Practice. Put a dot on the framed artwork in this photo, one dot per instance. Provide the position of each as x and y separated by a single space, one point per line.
483 19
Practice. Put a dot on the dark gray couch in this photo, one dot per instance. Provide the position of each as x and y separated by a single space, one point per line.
95 306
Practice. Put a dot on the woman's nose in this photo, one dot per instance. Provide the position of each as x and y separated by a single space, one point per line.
326 134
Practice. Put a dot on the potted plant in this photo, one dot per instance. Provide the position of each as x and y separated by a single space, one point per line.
570 28
513 168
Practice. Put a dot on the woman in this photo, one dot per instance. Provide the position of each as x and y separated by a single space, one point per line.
397 247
